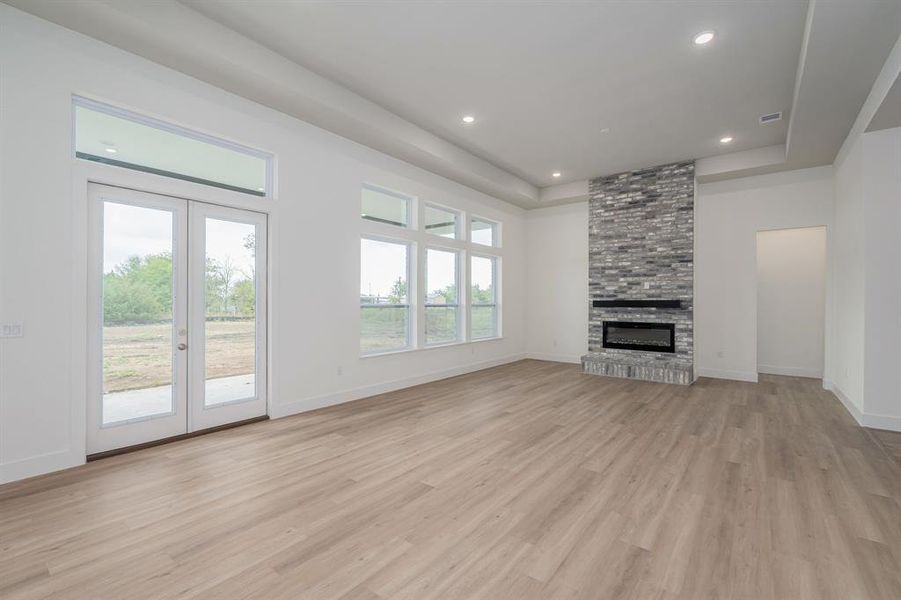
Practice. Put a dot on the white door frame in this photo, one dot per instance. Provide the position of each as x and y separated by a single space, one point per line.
190 414
201 416
102 437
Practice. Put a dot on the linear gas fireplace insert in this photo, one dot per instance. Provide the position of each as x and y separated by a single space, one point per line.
650 337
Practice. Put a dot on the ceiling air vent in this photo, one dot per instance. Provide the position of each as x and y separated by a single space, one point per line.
776 116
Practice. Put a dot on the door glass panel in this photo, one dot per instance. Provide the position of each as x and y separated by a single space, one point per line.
230 324
138 358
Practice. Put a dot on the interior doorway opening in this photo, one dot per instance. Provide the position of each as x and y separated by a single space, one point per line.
791 301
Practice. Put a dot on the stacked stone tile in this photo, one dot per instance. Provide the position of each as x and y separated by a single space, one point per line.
641 230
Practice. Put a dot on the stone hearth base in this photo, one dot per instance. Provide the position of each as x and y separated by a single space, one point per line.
605 364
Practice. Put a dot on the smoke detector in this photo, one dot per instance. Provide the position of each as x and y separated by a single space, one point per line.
776 116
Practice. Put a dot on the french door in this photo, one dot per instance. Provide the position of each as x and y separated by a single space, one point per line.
177 320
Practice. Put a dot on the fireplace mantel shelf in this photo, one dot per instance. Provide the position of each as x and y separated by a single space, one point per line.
637 303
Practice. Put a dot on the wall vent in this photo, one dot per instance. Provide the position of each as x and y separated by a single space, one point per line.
776 116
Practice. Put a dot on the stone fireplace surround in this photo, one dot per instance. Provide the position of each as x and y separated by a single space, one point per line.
641 248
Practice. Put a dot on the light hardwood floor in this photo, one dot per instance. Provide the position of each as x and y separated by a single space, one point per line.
890 441
523 481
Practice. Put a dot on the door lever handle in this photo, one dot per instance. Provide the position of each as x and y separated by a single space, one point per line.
182 346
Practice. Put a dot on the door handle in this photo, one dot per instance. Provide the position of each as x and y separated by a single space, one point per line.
182 346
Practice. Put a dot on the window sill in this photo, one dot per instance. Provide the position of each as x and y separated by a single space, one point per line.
486 339
431 347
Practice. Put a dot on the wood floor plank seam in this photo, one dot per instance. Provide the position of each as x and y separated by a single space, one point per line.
525 481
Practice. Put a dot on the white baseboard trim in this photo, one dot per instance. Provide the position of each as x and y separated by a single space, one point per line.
725 374
39 465
308 404
791 371
852 409
562 358
887 422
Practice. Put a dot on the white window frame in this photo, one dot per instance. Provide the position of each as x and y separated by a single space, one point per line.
424 293
495 232
458 221
410 201
419 241
411 297
127 115
496 289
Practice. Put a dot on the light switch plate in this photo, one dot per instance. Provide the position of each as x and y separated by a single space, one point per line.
12 330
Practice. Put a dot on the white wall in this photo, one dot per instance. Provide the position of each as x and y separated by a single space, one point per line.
867 282
557 282
791 301
728 215
845 360
314 240
882 353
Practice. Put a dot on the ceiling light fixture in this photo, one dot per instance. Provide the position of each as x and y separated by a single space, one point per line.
111 150
726 139
703 38
469 119
556 174
605 130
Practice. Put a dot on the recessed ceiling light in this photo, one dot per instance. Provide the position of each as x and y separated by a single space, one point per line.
605 130
111 150
705 37
726 139
556 174
469 119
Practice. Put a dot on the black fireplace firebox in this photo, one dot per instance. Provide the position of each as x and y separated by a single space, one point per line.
650 337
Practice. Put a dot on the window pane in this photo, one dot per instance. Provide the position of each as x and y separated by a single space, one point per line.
137 312
482 278
441 289
484 322
230 326
108 135
383 272
440 324
440 221
384 314
441 277
483 232
383 328
384 206
483 295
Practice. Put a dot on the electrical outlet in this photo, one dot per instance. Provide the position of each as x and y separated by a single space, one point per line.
647 285
12 330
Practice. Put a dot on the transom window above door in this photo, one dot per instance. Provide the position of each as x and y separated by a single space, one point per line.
113 136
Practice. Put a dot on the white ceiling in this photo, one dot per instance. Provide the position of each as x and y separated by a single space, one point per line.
543 79
889 113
